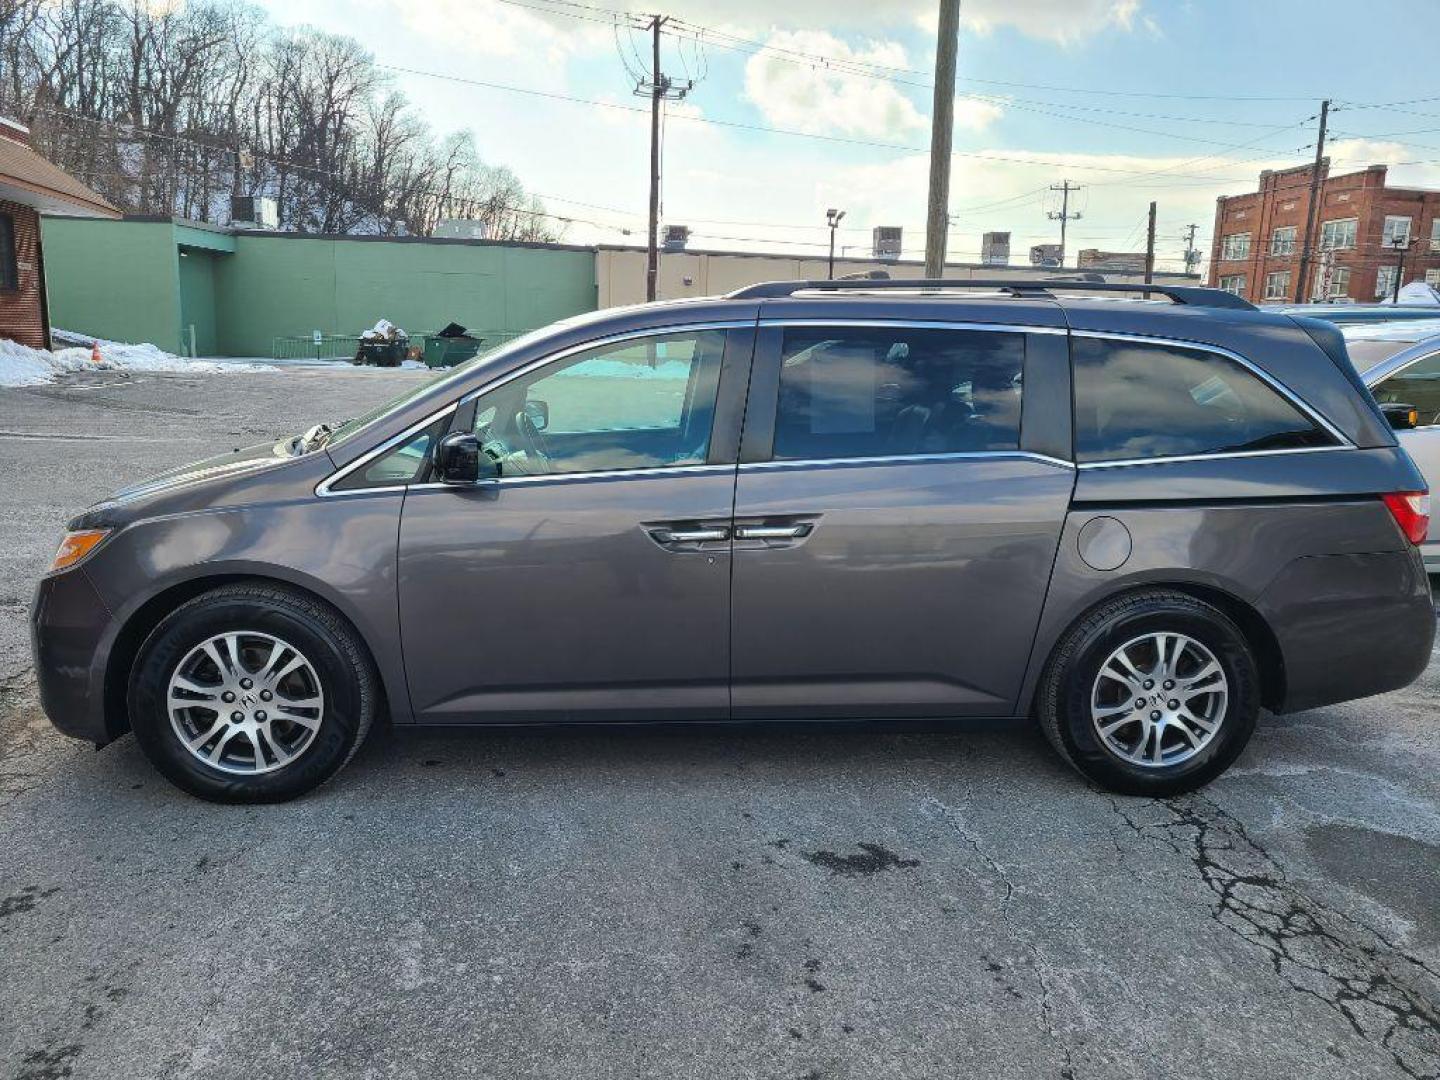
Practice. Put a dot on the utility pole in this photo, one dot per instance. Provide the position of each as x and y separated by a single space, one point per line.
1191 255
1313 209
658 88
937 218
1065 188
1150 248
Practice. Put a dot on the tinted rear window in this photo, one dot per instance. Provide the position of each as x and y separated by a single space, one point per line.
1143 400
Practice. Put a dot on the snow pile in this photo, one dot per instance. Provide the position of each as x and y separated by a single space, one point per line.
23 366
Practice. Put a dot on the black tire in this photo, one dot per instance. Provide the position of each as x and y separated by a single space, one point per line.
338 658
1063 702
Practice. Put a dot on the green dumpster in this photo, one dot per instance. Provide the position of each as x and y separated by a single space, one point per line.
447 351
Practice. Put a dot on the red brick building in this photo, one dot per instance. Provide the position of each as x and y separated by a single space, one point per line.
30 186
1258 237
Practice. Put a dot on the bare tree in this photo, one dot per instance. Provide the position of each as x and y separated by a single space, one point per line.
173 109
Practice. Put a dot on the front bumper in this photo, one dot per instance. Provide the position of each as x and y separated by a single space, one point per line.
68 625
1350 625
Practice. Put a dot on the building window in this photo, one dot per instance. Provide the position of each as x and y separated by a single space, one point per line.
1233 283
1277 285
1235 246
1335 235
1435 235
1385 280
1339 283
1432 277
9 266
1397 231
1282 241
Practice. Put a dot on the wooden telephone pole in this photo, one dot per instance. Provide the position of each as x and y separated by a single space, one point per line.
937 217
1312 211
1150 248
659 88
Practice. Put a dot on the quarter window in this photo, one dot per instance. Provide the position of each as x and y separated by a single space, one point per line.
871 392
9 266
639 404
1418 385
1138 400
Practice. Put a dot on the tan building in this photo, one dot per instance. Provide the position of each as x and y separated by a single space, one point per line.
620 272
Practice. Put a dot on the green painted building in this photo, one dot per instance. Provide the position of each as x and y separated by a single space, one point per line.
231 292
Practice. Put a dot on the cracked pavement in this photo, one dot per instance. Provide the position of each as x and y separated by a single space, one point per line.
640 903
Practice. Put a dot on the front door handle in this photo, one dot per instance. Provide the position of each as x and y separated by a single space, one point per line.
773 532
690 536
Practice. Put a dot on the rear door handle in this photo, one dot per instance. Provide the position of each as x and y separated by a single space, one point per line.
690 536
773 532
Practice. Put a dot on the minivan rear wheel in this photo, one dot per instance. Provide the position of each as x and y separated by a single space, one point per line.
251 693
1153 693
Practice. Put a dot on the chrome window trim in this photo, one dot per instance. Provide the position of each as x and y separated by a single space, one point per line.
1259 372
1224 456
915 324
324 488
902 459
574 477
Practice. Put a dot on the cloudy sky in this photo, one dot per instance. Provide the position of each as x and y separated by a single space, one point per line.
800 105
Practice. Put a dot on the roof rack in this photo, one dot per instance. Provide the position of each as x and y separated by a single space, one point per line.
1033 288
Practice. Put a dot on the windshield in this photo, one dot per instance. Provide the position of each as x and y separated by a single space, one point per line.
1369 354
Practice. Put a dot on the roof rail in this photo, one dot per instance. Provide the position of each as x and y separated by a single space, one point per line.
1033 288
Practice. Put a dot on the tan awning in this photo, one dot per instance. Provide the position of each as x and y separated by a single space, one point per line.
28 179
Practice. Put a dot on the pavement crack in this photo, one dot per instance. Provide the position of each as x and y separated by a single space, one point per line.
955 821
1385 994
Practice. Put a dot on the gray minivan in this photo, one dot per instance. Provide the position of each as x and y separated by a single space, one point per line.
1137 520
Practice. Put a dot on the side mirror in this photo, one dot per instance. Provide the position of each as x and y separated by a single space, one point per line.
539 413
1401 417
459 460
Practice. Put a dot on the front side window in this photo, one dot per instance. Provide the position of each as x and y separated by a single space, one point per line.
1235 246
1233 283
9 263
1282 241
642 403
848 392
1277 285
1137 400
1418 385
1337 234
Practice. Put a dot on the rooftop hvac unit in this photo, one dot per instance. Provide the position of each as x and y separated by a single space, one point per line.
886 242
254 212
676 237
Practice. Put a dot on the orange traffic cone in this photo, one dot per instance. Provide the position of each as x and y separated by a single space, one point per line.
95 357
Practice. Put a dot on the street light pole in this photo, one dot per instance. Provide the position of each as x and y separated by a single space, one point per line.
833 218
1402 248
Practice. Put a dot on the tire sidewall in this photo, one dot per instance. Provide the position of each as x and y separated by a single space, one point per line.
200 620
1211 629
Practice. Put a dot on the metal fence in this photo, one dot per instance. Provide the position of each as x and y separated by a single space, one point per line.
327 347
344 346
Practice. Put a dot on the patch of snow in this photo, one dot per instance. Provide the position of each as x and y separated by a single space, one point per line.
23 366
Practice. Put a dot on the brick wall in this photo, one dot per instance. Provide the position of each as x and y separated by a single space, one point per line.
22 310
1282 201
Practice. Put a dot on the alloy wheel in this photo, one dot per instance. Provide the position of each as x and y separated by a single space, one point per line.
1159 700
245 702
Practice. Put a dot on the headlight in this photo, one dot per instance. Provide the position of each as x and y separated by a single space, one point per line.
76 547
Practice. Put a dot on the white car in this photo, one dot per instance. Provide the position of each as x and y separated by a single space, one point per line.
1400 363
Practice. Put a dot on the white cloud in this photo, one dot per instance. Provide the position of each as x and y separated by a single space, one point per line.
825 99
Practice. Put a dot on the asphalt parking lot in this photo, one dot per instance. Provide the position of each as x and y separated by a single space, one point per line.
639 903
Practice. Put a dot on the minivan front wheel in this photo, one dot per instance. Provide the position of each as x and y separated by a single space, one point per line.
1154 693
251 693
